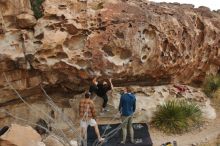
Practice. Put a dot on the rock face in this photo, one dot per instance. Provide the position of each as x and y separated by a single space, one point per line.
134 42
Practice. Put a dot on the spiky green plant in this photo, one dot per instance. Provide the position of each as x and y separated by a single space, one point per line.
37 8
211 85
177 116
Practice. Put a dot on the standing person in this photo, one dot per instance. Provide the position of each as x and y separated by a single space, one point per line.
101 88
87 116
127 108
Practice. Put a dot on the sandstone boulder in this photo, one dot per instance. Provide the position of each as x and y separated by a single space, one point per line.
22 136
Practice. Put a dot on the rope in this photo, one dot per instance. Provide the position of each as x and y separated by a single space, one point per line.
111 133
66 119
54 106
35 108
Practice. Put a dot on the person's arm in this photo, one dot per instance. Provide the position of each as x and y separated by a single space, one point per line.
94 81
80 104
111 85
120 104
93 87
93 110
134 106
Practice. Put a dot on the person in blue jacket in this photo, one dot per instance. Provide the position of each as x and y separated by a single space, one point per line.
127 108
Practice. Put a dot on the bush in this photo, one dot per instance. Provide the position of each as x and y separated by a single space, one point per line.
177 116
211 85
37 8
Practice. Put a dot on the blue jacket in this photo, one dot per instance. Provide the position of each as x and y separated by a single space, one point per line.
127 104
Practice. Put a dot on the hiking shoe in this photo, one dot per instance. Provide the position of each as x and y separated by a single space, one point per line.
122 142
105 110
136 141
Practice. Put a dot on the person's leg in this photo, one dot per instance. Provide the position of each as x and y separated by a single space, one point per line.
105 101
83 128
124 129
83 132
93 123
83 140
131 130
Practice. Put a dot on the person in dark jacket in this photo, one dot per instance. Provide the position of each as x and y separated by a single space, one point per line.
101 88
127 108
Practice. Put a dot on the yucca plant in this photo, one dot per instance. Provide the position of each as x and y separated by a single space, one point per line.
177 116
211 85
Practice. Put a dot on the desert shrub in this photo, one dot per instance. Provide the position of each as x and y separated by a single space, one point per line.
37 8
211 85
177 116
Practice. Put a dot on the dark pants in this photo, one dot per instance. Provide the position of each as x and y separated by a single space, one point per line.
105 98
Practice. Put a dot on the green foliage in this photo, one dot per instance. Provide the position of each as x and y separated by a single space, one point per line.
37 8
211 85
177 116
